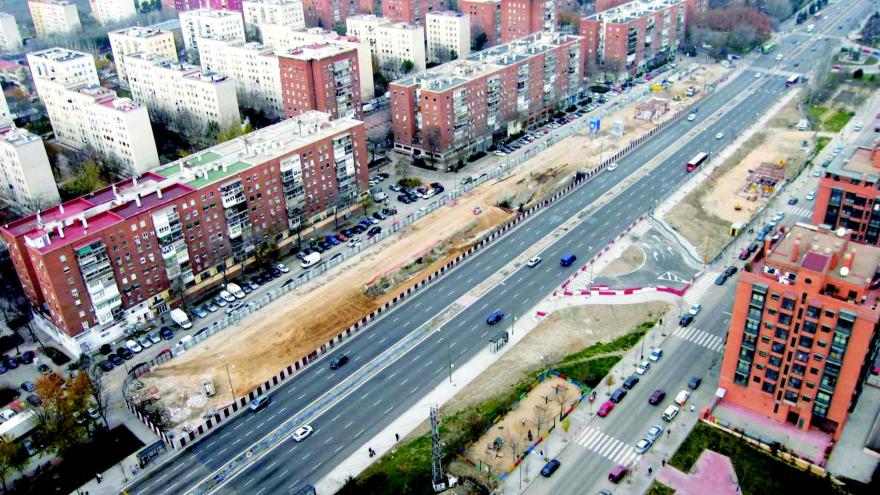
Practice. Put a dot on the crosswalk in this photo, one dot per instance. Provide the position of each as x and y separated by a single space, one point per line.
607 446
696 291
798 211
582 281
700 337
641 228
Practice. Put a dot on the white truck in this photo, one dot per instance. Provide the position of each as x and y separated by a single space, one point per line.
179 316
235 290
19 424
311 259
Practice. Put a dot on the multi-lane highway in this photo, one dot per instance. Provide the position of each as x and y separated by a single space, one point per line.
356 418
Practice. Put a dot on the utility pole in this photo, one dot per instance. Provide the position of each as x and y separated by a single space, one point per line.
231 389
438 479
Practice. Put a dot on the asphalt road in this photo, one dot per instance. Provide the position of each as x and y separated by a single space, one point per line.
369 408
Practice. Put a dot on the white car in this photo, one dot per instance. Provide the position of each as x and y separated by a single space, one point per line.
643 367
817 173
612 167
533 261
758 75
656 354
499 153
227 296
719 135
695 309
283 268
692 117
234 306
811 196
154 337
133 346
302 432
145 342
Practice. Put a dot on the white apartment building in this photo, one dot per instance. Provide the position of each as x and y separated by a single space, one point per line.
26 179
140 40
10 38
107 11
274 12
54 17
253 67
5 115
283 38
448 34
85 115
183 90
391 42
207 23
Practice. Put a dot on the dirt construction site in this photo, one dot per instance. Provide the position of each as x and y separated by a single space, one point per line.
308 317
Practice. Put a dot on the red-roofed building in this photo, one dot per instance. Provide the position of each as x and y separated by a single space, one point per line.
323 77
803 335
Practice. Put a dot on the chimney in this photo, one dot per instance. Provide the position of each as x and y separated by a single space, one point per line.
85 223
115 194
137 200
39 217
159 192
766 246
796 250
134 181
835 255
61 208
60 231
849 258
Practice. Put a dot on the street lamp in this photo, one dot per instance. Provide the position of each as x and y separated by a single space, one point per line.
229 377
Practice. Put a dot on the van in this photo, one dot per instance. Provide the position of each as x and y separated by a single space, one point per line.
670 413
803 125
567 260
235 290
310 260
682 397
617 473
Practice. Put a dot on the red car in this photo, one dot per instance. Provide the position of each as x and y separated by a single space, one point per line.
657 397
605 409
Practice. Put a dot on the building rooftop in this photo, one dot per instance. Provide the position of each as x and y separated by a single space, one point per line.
16 137
108 98
169 25
58 54
251 46
446 13
478 64
139 32
54 2
216 13
272 2
857 162
316 51
186 70
806 247
632 10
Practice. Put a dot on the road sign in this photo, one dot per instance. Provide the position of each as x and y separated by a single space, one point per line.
595 124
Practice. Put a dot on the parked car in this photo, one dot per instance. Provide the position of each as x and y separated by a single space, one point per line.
721 279
234 306
654 433
106 365
219 301
686 320
618 395
10 362
631 382
200 312
378 215
374 231
656 354
154 337
145 342
643 446
45 369
682 397
28 386
730 270
656 397
550 468
605 409
210 307
643 367
227 296
27 357
166 333
695 382
116 359
283 268
617 473
125 353
811 196
495 317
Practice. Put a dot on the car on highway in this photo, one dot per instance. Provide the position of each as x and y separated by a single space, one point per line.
817 173
612 167
692 116
301 433
550 468
618 395
260 402
643 446
656 354
811 196
338 362
695 309
605 409
792 201
758 75
567 260
654 433
694 382
720 135
656 397
643 367
631 382
686 320
533 261
495 317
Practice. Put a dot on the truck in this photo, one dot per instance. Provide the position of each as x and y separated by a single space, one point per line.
235 290
19 425
179 316
810 27
311 259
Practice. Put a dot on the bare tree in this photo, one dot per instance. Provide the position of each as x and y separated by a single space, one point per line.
540 417
432 141
99 392
513 443
561 398
778 10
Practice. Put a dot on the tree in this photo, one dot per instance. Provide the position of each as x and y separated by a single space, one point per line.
87 180
778 9
407 66
155 414
100 395
432 141
252 33
13 457
858 73
540 418
62 415
561 398
479 39
742 38
367 203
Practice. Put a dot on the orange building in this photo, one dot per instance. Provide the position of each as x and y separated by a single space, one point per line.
849 194
803 333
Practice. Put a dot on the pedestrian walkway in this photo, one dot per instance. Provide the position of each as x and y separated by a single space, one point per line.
713 473
607 446
641 228
798 211
695 292
582 281
700 337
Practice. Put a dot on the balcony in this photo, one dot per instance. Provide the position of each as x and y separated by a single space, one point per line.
230 200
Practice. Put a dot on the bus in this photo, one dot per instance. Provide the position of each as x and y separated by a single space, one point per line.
791 81
696 162
769 46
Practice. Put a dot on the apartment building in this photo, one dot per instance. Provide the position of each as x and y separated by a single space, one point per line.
391 42
214 24
485 17
253 67
803 334
10 38
328 13
274 12
634 37
456 109
109 11
283 38
138 39
520 18
185 5
848 196
99 263
85 115
323 77
25 173
694 7
448 34
183 91
6 116
411 11
54 17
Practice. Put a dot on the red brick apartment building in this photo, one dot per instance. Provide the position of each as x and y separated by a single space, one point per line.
485 17
634 37
323 77
328 13
520 18
803 333
461 107
411 11
849 194
93 266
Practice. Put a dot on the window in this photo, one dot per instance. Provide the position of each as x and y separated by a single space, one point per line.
809 327
771 374
775 361
802 356
788 304
784 319
791 396
781 334
805 341
794 382
778 347
798 369
765 339
768 387
813 312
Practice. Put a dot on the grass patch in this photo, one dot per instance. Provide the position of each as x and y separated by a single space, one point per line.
757 471
817 114
659 489
591 372
821 143
837 121
619 344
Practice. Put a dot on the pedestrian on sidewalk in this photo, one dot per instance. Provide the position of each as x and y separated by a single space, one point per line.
663 461
99 477
396 437
692 408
